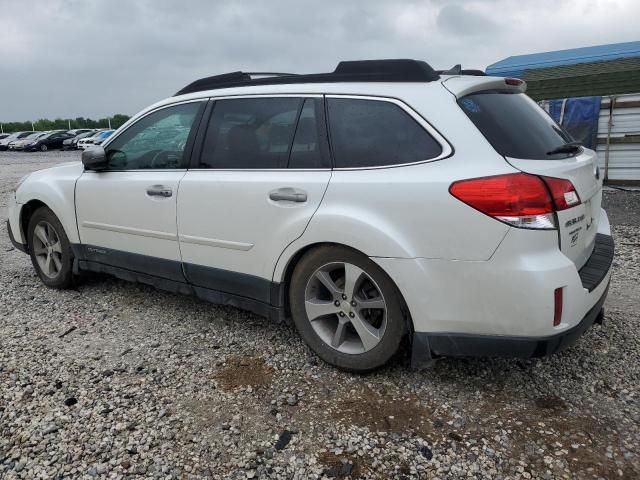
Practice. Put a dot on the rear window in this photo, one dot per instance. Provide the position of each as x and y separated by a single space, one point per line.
515 125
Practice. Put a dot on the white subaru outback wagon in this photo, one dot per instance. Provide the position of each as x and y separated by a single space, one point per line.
380 201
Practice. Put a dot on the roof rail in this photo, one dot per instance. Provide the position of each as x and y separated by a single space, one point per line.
395 70
268 74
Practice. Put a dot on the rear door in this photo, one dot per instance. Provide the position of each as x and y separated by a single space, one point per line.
532 142
262 172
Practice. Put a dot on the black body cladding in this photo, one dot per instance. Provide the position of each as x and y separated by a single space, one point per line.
395 70
211 284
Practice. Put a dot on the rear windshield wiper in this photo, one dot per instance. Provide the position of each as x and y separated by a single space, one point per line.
570 147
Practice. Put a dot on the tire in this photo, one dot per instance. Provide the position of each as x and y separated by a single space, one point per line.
52 264
347 335
43 148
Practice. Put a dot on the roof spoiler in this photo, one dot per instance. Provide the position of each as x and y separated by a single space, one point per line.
458 70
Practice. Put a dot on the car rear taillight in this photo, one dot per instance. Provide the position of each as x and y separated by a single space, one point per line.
563 192
518 199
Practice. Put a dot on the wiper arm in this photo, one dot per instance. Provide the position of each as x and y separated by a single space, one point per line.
566 148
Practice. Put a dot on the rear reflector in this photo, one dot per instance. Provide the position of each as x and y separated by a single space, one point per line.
519 199
557 306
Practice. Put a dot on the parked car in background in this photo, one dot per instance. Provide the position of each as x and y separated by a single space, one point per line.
4 135
19 144
50 141
101 137
83 143
96 139
72 143
78 131
4 143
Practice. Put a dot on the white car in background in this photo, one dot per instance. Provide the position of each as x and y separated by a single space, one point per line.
21 143
95 139
381 201
4 142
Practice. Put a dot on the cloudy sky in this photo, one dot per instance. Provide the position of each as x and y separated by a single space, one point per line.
68 58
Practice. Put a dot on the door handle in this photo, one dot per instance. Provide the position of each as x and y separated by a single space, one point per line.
159 191
288 194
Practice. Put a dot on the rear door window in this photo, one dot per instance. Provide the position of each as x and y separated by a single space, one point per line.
251 133
375 133
309 149
515 125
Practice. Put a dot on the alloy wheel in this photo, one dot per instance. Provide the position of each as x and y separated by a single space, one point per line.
47 249
345 307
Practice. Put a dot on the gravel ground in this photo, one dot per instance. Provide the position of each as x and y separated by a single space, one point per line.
116 380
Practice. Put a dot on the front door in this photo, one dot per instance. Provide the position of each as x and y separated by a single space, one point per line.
127 214
262 174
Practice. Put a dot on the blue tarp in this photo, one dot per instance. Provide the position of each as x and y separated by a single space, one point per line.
578 116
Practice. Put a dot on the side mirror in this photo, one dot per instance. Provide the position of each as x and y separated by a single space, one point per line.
94 158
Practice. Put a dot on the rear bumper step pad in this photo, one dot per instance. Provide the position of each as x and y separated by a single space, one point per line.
599 263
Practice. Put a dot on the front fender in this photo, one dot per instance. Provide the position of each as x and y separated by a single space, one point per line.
55 187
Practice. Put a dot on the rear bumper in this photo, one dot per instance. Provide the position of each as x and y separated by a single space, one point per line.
428 345
503 306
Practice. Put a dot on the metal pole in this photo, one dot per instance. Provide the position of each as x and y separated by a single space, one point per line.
69 124
32 127
612 103
109 122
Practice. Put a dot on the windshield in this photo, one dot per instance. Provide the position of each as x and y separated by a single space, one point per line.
515 125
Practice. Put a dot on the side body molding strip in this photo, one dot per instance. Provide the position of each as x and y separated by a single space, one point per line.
130 231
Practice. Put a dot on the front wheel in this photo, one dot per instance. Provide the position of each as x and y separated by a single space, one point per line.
43 148
50 250
346 308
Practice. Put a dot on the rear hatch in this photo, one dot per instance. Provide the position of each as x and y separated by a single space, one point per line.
532 142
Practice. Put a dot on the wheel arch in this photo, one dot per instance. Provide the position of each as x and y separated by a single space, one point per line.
26 212
53 188
290 263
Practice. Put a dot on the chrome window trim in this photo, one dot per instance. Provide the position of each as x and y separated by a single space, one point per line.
168 170
447 149
269 95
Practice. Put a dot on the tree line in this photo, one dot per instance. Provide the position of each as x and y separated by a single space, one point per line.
64 123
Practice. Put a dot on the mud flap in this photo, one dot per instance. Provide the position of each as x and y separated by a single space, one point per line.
421 352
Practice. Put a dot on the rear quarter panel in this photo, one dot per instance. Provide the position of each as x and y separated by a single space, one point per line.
407 211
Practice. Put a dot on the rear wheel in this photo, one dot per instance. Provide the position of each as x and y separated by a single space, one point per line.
346 308
50 249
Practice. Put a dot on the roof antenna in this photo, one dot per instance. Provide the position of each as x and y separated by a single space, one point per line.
455 70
